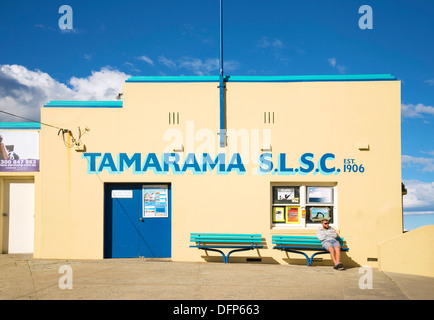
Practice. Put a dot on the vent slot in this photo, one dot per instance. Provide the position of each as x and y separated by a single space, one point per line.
173 118
268 117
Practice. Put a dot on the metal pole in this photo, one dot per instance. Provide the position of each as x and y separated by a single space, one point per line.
221 40
222 132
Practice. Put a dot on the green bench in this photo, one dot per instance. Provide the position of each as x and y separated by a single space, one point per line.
219 241
297 244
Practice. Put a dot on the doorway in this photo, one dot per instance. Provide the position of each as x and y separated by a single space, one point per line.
18 216
137 220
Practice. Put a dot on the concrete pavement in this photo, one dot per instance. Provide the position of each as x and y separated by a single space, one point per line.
25 278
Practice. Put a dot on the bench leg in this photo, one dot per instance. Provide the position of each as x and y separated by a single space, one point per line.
219 251
225 257
311 258
299 252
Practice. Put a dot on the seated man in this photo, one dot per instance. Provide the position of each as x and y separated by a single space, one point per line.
327 235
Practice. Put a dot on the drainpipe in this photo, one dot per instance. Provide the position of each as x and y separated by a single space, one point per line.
222 132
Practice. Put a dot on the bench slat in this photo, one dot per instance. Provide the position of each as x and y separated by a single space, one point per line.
292 237
216 246
226 234
296 238
305 248
226 241
301 242
225 238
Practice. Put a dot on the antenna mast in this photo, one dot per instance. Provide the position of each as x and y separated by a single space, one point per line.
222 132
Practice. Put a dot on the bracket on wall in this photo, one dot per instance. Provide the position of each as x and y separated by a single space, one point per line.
71 142
363 146
179 148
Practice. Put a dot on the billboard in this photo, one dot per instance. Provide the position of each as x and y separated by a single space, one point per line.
19 151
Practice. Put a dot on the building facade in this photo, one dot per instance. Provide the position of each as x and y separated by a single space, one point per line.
134 178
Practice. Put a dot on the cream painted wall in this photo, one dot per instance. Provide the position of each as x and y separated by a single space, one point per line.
316 117
415 254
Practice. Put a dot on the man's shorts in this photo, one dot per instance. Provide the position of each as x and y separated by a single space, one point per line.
331 243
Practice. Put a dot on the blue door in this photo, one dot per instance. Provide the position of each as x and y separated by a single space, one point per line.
137 220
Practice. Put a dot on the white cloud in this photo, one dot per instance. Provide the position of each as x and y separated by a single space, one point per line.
429 152
430 82
131 66
23 92
231 65
416 111
333 63
68 31
146 59
265 42
167 62
427 164
408 213
419 197
275 46
100 85
198 66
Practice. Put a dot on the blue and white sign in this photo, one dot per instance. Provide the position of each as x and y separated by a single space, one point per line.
155 202
267 163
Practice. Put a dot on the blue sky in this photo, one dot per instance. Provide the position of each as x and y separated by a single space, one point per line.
112 40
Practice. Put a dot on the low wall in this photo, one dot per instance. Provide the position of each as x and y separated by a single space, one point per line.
410 253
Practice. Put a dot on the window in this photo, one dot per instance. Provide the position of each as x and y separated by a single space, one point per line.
302 206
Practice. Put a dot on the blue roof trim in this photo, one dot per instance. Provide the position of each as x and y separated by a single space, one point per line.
314 78
311 78
84 104
20 125
173 79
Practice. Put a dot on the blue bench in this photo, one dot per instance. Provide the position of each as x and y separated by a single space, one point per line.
218 241
297 244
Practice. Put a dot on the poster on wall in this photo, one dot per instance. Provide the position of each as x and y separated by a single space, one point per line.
319 213
293 215
278 214
155 202
319 194
19 151
286 195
